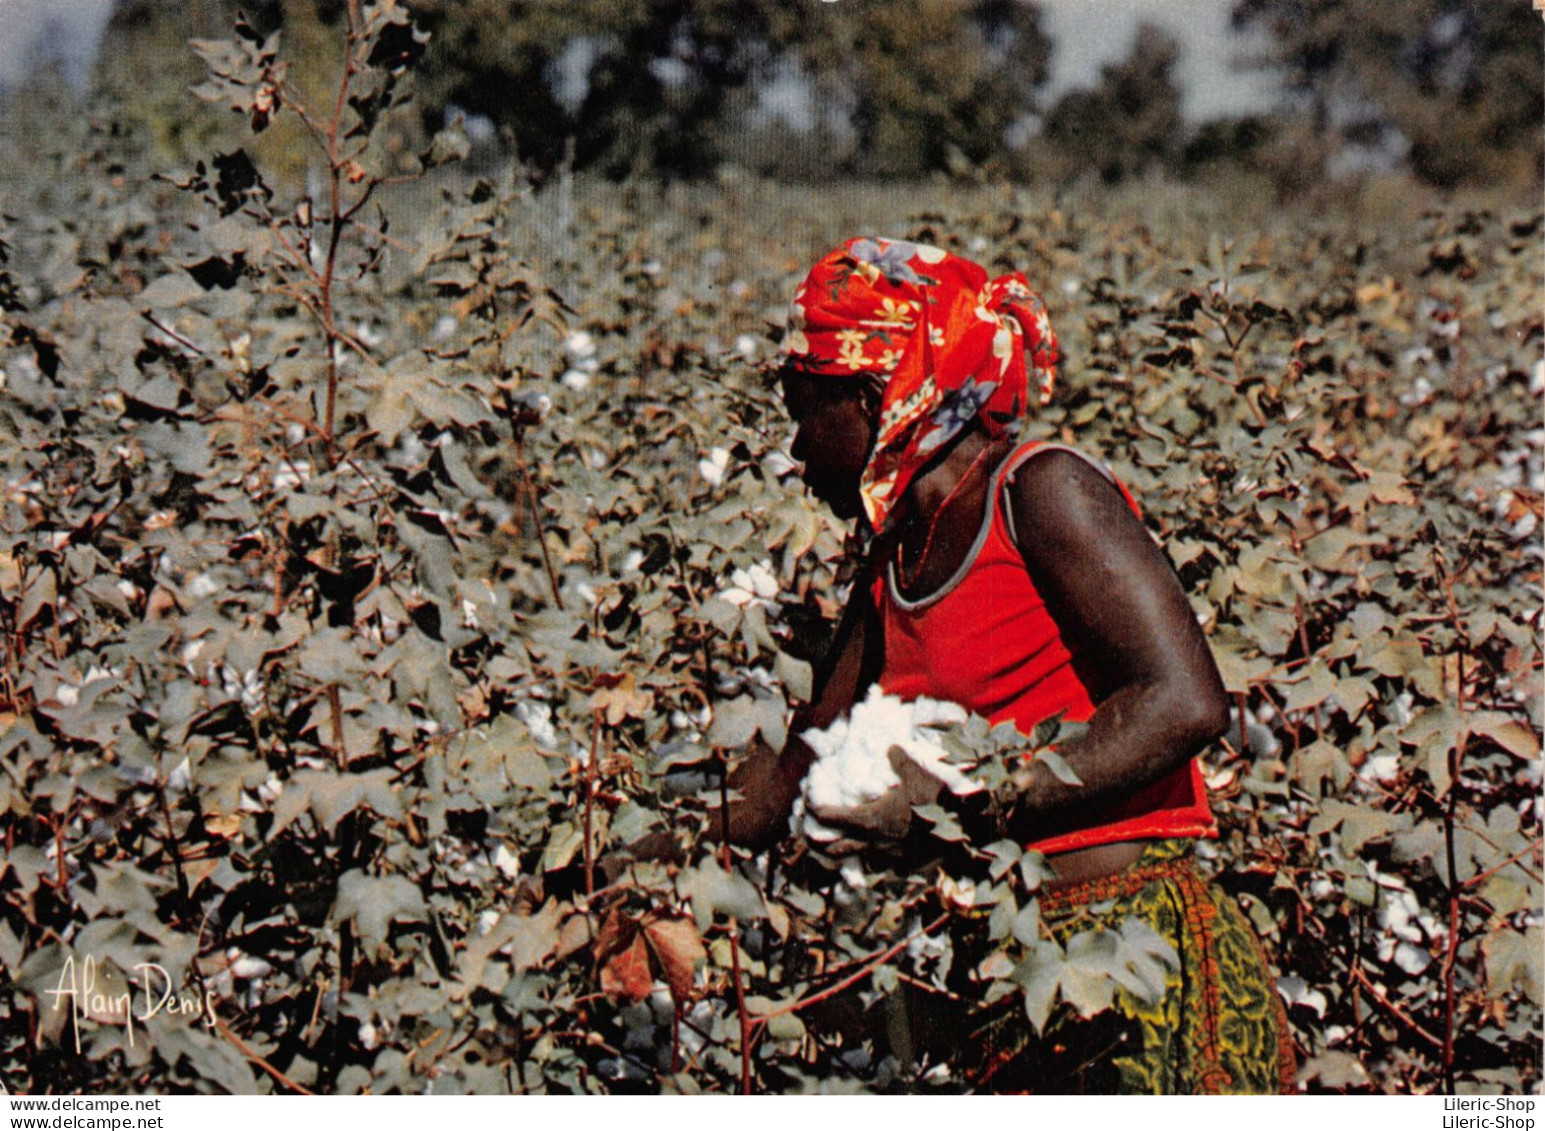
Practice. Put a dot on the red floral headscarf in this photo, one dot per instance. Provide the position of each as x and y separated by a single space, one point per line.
949 344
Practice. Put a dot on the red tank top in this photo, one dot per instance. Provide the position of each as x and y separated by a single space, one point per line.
985 640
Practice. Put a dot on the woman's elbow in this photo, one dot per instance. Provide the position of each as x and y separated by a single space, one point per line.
1200 711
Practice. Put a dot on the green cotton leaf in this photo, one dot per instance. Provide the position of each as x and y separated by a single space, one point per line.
1367 621
184 444
1312 689
1329 550
1435 732
1334 1071
1238 658
374 902
1005 854
1320 760
945 826
795 675
1423 841
737 721
390 413
1040 975
564 842
786 1027
1058 765
1513 735
1355 693
508 740
721 614
1088 979
713 891
160 393
294 799
332 656
1507 896
335 797
1361 890
1358 824
1148 956
1035 871
1026 925
171 290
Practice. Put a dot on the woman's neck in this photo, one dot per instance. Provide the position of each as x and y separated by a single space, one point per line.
935 485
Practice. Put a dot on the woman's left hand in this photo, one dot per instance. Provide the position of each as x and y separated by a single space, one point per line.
886 818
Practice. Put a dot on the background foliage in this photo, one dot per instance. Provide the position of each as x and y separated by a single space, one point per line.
365 591
1447 90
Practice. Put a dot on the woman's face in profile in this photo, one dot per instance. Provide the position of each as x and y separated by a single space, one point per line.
832 439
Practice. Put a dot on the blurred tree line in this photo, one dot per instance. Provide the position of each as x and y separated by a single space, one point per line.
799 89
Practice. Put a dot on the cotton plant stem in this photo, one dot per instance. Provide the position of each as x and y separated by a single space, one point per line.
589 787
247 1051
536 514
858 975
742 1014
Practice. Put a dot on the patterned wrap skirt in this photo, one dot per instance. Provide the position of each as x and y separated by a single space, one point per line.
1219 1027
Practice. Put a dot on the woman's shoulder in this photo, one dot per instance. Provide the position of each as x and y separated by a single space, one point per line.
1048 481
1048 455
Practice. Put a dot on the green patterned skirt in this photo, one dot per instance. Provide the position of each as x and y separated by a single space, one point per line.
1219 1027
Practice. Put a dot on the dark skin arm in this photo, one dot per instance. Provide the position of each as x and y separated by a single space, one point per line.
1112 591
767 782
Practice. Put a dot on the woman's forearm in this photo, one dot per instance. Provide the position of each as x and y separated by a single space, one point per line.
1136 736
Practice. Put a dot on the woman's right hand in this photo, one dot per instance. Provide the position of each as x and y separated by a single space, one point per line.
887 817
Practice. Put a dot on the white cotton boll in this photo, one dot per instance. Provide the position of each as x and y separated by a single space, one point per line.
1401 709
270 790
764 583
180 777
712 466
243 965
579 345
576 379
779 463
852 763
292 476
747 347
507 864
445 326
1382 767
1412 959
755 586
369 1036
538 718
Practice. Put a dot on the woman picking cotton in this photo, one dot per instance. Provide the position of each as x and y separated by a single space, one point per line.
1015 581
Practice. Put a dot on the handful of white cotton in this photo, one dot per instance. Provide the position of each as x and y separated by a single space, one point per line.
852 763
